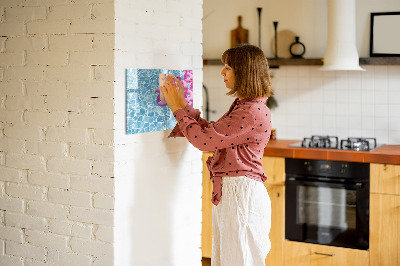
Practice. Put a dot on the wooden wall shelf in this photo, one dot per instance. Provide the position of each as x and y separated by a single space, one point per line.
274 63
380 61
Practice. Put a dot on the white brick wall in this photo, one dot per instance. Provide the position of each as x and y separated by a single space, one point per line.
156 190
56 132
62 138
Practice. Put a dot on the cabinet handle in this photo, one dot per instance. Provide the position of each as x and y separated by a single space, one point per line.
324 254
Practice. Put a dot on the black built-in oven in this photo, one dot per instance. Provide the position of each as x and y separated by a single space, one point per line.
327 202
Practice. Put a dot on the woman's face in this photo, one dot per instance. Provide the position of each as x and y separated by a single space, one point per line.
229 76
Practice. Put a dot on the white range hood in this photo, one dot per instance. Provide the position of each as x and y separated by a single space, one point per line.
341 51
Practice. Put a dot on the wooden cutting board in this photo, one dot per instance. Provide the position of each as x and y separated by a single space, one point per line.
239 35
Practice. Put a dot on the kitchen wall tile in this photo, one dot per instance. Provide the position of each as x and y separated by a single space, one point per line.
278 83
317 107
329 109
304 82
291 71
317 131
316 82
368 122
304 131
278 71
329 93
394 137
329 99
304 72
367 133
342 80
329 122
342 109
381 97
393 71
304 109
380 71
367 110
381 122
292 82
342 96
394 110
381 110
394 123
394 82
355 132
342 133
355 75
293 120
367 96
355 96
367 82
394 97
355 122
369 70
381 136
328 74
380 84
317 95
354 83
315 72
342 122
355 109
317 121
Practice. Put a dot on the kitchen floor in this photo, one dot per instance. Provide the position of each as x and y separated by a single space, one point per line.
206 261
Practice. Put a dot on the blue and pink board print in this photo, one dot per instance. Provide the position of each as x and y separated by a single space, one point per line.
146 109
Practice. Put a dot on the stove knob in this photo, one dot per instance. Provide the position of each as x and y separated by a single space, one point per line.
343 168
308 166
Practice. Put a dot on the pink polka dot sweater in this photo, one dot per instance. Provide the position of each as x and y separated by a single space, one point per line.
238 139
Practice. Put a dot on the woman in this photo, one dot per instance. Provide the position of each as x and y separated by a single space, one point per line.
242 208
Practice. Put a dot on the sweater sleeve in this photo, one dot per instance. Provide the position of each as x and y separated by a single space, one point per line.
231 130
193 113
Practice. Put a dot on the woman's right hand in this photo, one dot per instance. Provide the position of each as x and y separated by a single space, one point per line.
173 94
181 89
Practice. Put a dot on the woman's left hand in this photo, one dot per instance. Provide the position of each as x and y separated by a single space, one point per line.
171 94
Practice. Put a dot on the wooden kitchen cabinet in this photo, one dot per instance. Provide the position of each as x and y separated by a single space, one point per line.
384 237
385 178
206 225
305 254
277 233
274 168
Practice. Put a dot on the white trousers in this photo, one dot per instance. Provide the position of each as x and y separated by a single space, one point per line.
241 223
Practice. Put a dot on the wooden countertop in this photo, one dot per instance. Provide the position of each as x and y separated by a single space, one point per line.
389 154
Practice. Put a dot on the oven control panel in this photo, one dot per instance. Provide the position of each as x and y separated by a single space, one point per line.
337 169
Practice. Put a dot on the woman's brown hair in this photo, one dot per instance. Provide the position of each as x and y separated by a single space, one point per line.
250 66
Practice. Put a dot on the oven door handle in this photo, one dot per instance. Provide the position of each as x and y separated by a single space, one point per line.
324 254
357 185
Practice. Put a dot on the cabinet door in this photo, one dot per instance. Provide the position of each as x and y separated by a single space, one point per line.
304 254
274 168
206 226
277 233
385 178
384 229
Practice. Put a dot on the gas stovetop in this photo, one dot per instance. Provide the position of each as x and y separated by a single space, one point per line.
332 142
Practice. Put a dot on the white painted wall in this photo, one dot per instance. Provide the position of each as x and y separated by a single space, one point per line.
305 18
344 103
56 132
158 180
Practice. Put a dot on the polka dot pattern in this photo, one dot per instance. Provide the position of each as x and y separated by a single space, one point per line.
238 139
